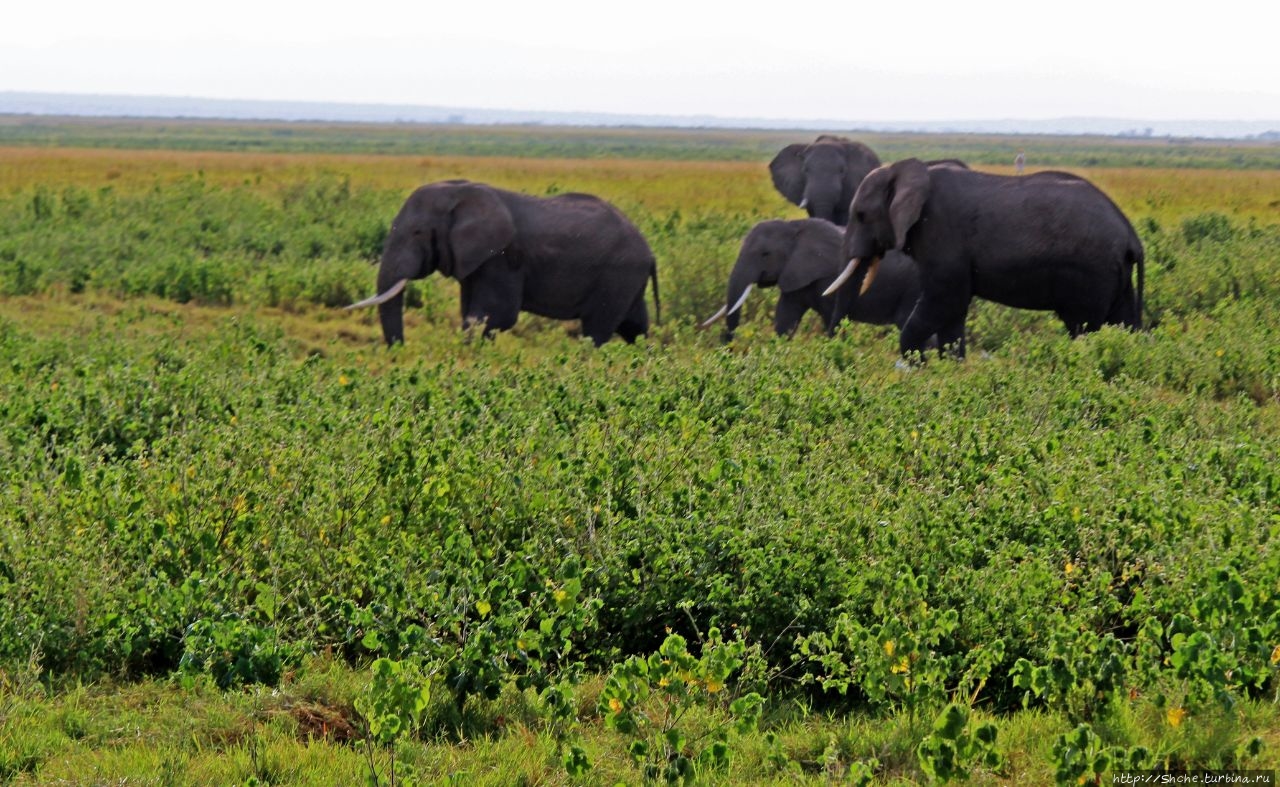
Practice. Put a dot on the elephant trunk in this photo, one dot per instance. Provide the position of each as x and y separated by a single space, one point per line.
746 274
822 201
391 315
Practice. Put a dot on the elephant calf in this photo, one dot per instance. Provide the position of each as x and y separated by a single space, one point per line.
572 256
803 258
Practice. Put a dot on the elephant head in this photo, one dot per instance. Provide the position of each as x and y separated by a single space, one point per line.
453 227
788 254
885 208
823 176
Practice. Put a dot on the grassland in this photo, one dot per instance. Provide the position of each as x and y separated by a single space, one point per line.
223 501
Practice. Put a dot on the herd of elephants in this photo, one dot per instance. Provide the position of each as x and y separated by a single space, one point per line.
909 243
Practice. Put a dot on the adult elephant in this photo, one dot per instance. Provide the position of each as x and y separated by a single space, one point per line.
1049 241
823 176
802 258
572 256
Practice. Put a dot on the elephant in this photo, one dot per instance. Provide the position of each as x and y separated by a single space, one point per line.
802 258
571 256
822 176
1051 241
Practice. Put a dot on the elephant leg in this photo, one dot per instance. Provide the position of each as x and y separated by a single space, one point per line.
788 314
489 300
635 323
932 316
951 340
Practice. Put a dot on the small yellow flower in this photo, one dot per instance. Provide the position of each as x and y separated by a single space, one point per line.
615 705
1275 655
1175 716
663 683
386 520
191 471
1220 353
559 596
888 647
1069 568
344 380
234 420
902 666
714 685
483 607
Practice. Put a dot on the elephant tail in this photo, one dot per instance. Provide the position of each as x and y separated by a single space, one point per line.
657 302
1137 257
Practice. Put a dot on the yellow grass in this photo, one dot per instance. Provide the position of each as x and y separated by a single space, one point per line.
658 185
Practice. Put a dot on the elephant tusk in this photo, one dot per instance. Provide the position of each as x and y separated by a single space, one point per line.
391 292
723 311
871 275
741 300
804 203
843 277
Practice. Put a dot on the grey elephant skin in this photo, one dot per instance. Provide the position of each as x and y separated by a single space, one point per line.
802 258
823 176
1049 241
568 257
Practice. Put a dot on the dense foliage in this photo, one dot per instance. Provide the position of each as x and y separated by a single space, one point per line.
1075 526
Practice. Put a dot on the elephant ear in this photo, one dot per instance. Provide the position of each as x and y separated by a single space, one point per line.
815 255
911 186
787 170
481 228
859 161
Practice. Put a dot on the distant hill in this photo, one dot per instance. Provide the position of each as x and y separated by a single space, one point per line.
85 105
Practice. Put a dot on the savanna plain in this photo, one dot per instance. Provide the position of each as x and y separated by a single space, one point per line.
241 542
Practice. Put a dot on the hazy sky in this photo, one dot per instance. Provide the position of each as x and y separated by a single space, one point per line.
889 60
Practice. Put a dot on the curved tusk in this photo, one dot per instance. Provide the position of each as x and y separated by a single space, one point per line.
804 203
871 275
723 311
843 277
391 292
741 300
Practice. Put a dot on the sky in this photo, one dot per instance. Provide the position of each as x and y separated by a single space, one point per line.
894 60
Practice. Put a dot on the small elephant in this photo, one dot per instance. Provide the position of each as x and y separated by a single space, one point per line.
572 256
802 258
1049 241
823 176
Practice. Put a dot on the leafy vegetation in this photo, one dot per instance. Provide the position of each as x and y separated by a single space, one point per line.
675 561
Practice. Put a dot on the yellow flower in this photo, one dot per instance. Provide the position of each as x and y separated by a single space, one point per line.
1069 568
615 705
901 667
344 380
191 471
559 596
713 685
1220 353
1275 655
483 607
663 683
888 647
386 520
1175 716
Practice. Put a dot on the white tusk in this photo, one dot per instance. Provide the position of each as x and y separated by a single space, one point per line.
391 292
723 311
843 277
871 275
804 203
741 300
